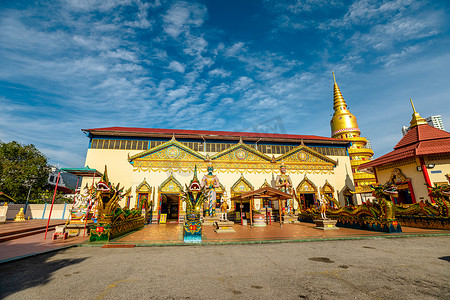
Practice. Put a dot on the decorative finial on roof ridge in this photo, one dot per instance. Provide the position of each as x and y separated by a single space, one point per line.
416 118
412 104
240 140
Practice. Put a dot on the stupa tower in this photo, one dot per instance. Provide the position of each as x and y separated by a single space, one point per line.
344 126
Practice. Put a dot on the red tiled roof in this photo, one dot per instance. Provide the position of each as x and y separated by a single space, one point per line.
420 140
210 133
433 147
422 133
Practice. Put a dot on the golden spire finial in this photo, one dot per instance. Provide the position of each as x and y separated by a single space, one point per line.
342 119
416 118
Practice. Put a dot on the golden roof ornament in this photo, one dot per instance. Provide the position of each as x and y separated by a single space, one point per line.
343 120
416 118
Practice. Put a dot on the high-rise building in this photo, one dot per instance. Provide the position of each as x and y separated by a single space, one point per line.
344 126
404 130
435 121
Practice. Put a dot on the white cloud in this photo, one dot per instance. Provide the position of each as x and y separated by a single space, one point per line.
176 66
122 54
235 49
227 101
195 45
392 58
219 73
243 83
181 16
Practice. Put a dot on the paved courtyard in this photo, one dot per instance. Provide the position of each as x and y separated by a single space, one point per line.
404 268
168 234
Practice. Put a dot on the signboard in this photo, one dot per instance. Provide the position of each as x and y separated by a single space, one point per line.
163 219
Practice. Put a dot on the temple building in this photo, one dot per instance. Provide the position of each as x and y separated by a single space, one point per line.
157 163
420 159
344 126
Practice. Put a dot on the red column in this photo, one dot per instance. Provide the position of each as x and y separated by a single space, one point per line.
51 208
412 191
425 174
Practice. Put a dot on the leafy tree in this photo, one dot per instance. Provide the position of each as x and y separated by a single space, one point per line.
47 197
20 167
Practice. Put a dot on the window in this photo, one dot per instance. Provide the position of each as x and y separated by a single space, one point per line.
94 144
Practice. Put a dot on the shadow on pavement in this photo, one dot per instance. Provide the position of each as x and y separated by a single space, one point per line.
446 258
34 271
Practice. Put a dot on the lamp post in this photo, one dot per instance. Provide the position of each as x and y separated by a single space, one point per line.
29 183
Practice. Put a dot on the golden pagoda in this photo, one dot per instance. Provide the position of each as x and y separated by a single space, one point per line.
344 126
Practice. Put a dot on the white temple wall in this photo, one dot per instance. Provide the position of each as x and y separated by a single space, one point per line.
121 171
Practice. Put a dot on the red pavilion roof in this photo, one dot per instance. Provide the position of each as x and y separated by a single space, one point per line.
420 140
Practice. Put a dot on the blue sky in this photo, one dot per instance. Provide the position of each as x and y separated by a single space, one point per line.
217 65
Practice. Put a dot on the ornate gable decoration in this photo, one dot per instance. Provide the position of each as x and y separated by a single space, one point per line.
143 187
265 184
397 176
168 151
241 153
167 155
305 155
306 186
328 188
241 186
171 186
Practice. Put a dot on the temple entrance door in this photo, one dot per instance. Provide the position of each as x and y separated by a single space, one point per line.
404 197
308 200
170 204
348 200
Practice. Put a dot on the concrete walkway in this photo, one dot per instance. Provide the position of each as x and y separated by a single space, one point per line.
400 268
172 234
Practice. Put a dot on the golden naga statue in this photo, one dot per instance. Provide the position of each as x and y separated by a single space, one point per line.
108 197
383 194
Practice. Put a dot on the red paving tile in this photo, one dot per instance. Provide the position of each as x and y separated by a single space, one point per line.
11 226
172 234
154 233
35 244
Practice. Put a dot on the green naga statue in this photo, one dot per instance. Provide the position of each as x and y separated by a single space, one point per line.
194 196
441 195
377 216
113 220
